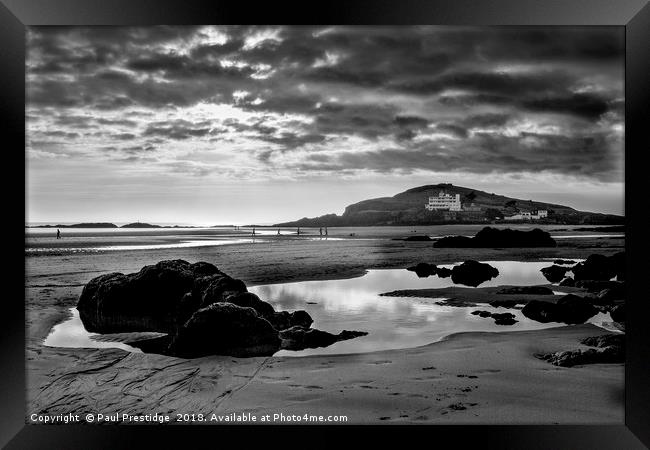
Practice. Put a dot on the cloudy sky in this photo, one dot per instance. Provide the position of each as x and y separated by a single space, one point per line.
214 125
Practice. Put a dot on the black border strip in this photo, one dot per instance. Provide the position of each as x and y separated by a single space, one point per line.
633 14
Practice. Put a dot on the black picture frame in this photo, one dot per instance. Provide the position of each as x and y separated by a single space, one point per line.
634 15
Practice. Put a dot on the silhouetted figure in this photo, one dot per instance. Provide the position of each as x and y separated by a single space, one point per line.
58 233
320 231
298 231
253 231
325 231
278 232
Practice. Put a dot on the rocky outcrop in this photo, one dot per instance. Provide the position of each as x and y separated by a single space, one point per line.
490 237
610 349
300 338
443 272
473 273
418 239
570 309
564 261
525 290
554 273
203 311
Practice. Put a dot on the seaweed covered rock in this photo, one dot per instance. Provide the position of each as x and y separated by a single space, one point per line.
568 282
609 349
499 318
473 273
490 237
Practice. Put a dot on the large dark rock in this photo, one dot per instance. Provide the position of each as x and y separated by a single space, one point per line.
225 329
443 272
490 237
525 290
203 311
144 301
300 338
473 273
554 273
570 309
423 270
600 267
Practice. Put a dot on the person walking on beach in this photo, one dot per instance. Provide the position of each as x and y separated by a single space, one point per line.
326 231
58 233
298 231
320 231
278 232
253 231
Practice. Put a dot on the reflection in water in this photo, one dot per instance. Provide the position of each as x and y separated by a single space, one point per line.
355 304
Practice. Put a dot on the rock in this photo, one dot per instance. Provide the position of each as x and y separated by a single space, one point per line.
218 287
617 313
600 267
423 270
554 273
144 301
443 272
618 264
418 238
563 261
567 282
525 290
504 303
610 294
499 318
490 237
610 348
250 300
473 273
300 338
569 309
596 285
572 358
284 319
225 329
504 319
605 340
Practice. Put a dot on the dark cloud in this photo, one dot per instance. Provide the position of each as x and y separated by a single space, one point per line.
432 98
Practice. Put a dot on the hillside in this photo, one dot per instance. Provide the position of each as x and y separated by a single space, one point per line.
407 208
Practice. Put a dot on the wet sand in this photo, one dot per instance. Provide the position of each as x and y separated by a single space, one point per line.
419 385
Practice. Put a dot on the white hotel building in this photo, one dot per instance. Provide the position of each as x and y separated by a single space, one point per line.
444 201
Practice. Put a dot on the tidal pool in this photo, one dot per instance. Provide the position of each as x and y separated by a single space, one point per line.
355 304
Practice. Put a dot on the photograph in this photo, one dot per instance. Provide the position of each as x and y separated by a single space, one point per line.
325 225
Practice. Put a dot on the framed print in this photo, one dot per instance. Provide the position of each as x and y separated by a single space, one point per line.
367 216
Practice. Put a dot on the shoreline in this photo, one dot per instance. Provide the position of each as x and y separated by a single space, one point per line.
361 384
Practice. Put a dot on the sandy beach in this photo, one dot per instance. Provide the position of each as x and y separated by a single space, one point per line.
475 377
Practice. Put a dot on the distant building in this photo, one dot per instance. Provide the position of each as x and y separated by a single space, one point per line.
527 215
444 202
